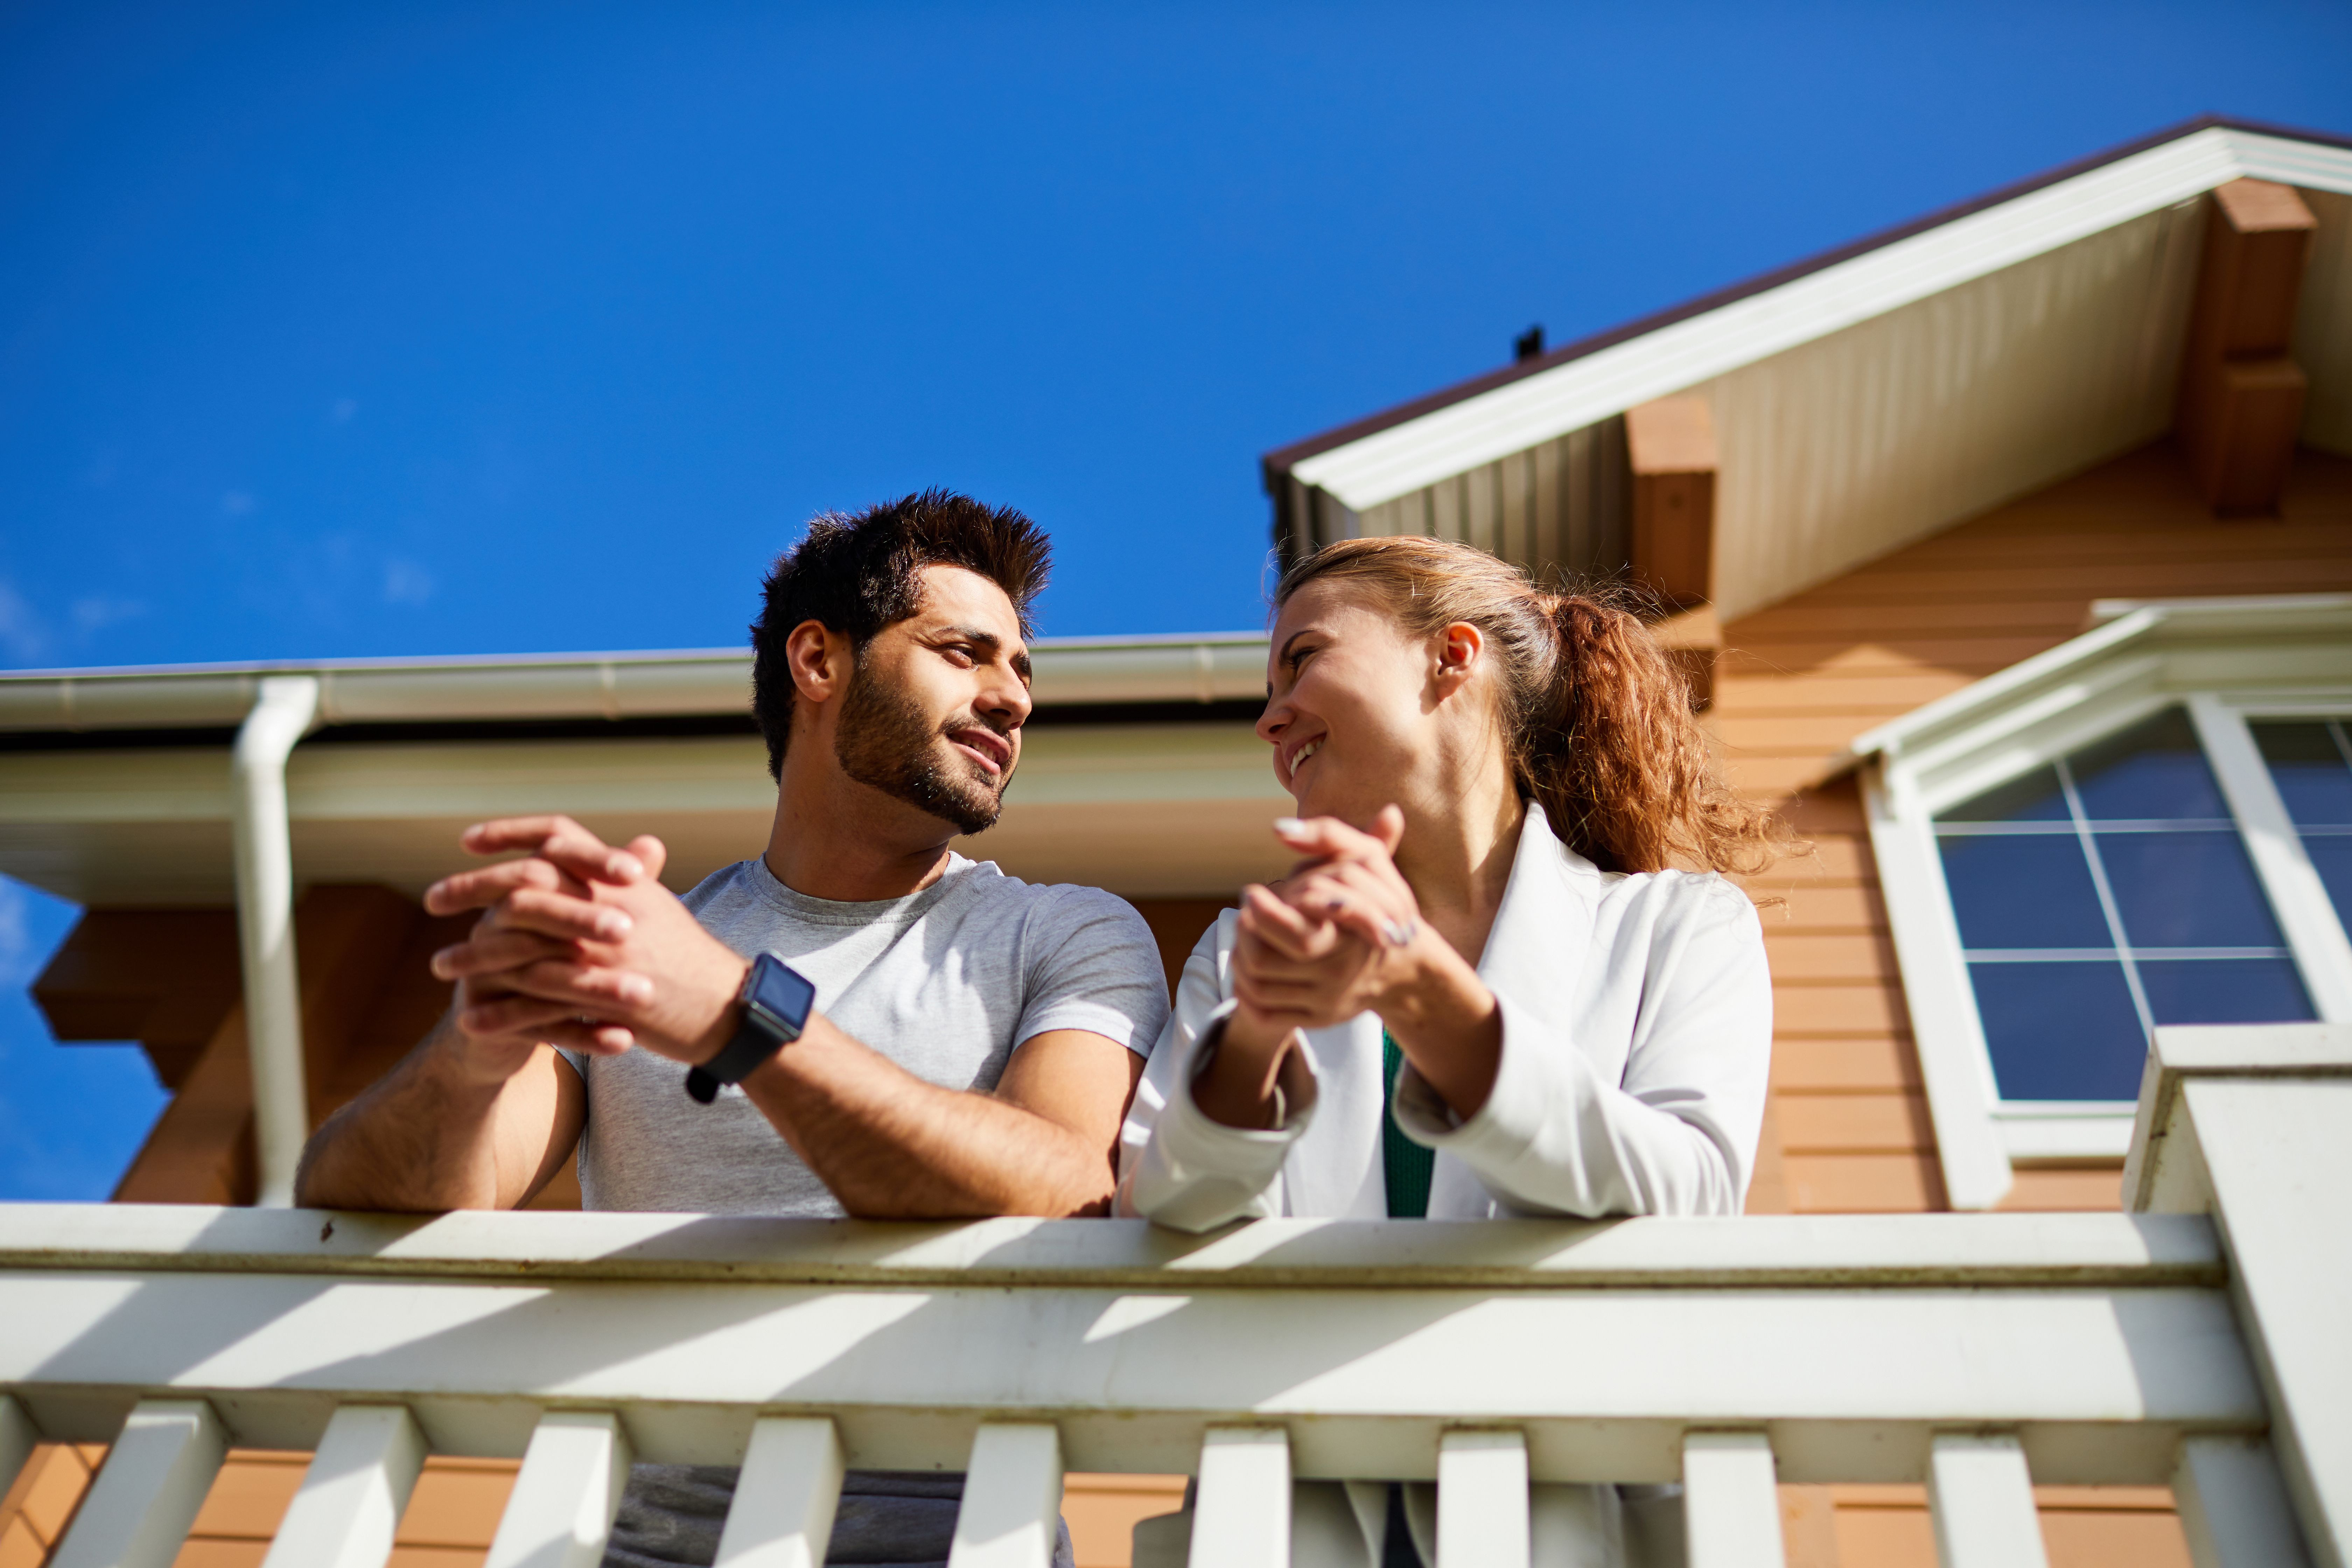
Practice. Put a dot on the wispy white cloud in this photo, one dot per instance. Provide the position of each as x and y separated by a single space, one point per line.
99 611
22 631
407 583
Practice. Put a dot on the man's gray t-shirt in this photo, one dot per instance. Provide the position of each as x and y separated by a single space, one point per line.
945 983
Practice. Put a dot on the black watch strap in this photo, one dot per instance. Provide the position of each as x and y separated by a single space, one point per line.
773 1008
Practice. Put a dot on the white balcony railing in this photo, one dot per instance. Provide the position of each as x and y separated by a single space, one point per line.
1980 1353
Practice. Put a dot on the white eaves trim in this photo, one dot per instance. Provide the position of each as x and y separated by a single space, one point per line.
1187 668
2063 675
1405 457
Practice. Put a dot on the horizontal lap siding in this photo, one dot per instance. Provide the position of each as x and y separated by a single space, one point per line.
1802 678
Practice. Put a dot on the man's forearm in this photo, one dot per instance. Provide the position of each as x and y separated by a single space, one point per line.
421 1140
891 1146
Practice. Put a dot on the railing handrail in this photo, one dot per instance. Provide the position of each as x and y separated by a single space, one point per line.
1839 1252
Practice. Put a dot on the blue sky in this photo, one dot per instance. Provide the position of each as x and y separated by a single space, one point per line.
431 328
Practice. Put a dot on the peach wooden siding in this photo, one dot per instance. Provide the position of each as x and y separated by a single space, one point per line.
1801 679
1848 1128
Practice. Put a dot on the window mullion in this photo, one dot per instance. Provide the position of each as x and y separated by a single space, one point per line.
2323 953
2107 905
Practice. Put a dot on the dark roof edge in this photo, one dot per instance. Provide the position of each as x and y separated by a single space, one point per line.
1275 466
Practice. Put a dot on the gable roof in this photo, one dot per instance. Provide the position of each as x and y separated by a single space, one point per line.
2091 264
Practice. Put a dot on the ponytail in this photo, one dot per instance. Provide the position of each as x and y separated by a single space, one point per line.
1601 732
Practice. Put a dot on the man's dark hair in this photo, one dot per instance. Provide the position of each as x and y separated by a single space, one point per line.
856 574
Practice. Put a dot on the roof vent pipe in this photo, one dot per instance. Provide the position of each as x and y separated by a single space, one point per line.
282 714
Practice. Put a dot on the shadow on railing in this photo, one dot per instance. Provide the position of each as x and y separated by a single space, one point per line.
1505 1362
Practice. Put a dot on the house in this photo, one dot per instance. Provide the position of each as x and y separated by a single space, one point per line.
2010 553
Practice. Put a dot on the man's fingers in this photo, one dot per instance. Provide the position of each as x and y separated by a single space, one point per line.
651 852
489 951
584 988
486 886
559 840
562 915
493 1016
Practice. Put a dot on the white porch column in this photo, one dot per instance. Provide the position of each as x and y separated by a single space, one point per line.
785 1499
281 715
2233 1506
1731 1500
1242 1517
1012 1498
1982 1499
353 1495
147 1493
2253 1124
566 1494
1482 1499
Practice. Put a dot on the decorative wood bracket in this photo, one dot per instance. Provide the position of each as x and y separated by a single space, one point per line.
2241 396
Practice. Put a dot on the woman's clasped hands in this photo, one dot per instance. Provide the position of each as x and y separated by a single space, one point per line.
1333 938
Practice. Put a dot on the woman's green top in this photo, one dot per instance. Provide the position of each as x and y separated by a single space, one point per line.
1406 1163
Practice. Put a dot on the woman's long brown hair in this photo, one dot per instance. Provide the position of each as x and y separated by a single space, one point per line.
1601 731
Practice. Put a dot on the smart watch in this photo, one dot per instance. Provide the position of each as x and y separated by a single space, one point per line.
776 1002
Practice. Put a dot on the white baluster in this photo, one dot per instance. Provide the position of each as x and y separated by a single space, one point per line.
1242 1515
785 1500
148 1491
1731 1500
2234 1507
1011 1507
564 1499
352 1494
1482 1499
1982 1500
16 1439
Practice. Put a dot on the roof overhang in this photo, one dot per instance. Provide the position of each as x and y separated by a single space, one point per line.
1391 455
1069 672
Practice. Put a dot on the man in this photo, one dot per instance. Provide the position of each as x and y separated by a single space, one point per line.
859 1021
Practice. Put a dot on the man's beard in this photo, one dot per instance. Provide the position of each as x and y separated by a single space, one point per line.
885 742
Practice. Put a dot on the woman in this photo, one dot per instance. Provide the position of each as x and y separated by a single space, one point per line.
1518 986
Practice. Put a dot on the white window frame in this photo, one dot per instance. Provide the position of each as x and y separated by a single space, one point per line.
2226 661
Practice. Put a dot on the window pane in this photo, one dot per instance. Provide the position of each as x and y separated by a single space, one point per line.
2036 797
2032 890
2310 773
2225 991
2332 858
2187 889
2154 769
2060 1031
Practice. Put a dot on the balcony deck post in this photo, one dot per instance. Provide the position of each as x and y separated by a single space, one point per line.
147 1493
1731 1501
1982 1497
2233 1505
1242 1517
2253 1125
359 1481
1012 1498
786 1497
566 1494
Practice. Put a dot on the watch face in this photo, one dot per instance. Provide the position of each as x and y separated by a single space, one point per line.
782 993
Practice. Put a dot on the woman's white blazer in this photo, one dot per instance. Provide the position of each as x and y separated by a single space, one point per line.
1637 1025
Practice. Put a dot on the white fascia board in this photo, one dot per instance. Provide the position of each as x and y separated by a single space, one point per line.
2117 625
1198 668
1406 458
